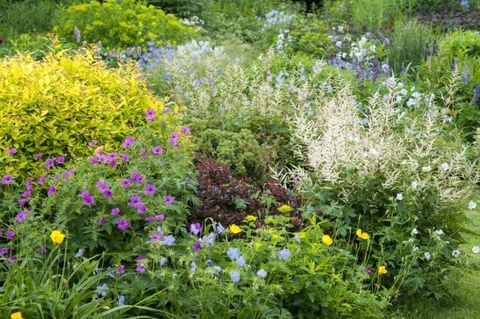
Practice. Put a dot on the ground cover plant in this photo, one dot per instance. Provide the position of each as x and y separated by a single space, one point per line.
239 159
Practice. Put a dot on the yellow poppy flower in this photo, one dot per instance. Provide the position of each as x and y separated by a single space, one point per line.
57 237
382 270
285 209
327 240
16 315
235 229
251 218
363 235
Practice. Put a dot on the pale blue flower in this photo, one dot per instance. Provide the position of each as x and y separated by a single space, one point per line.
102 290
235 276
217 270
121 300
241 261
233 253
284 254
168 240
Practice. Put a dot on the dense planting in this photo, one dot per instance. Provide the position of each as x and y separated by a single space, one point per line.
253 159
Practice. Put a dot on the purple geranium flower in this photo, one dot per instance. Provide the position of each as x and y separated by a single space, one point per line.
41 180
10 234
155 237
51 190
140 268
150 115
124 157
22 201
112 156
149 219
159 217
135 201
38 156
126 183
115 211
136 177
120 270
196 246
3 251
26 194
112 164
42 249
49 163
21 217
102 221
87 198
169 199
7 179
60 160
185 130
157 150
123 223
12 151
92 143
150 189
128 141
195 228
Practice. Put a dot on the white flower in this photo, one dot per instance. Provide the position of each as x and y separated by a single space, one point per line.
472 205
374 152
427 255
262 273
456 253
415 232
439 232
414 185
475 249
445 166
426 169
411 102
399 196
162 261
415 248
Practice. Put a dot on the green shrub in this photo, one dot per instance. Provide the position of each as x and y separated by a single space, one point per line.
28 16
58 105
408 45
183 8
120 24
372 15
240 150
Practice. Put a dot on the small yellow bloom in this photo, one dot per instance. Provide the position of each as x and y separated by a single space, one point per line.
285 209
363 235
327 240
57 237
251 218
16 315
382 270
235 229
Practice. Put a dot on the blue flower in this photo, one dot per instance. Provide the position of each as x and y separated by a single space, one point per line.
209 263
121 300
217 270
235 276
233 253
102 290
284 254
241 261
80 252
168 240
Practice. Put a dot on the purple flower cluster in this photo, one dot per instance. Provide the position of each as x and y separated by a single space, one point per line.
88 199
174 139
104 189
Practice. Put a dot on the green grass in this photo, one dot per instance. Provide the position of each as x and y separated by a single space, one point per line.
466 301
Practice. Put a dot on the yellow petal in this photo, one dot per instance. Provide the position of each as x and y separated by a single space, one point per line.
327 240
235 229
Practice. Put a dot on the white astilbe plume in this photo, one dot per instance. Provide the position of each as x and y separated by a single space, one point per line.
344 146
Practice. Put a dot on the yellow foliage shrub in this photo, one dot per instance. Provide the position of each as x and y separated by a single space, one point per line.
57 105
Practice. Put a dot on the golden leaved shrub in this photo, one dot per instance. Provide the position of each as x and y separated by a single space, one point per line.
57 105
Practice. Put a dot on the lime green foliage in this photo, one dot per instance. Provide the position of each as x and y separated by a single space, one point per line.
240 150
408 45
58 105
464 47
120 24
